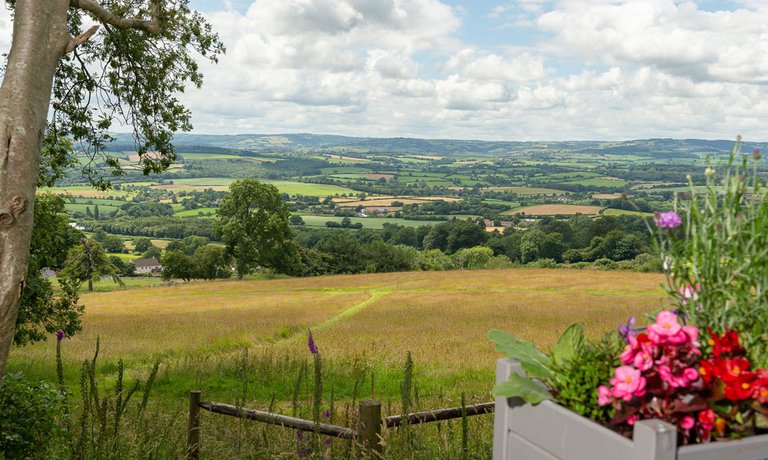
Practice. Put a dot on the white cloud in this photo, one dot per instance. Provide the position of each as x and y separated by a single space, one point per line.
677 38
580 69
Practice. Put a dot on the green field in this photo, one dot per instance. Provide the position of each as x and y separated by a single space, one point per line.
289 187
623 212
195 212
368 222
80 207
529 190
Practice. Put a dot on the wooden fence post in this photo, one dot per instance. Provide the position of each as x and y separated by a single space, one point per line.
193 433
369 428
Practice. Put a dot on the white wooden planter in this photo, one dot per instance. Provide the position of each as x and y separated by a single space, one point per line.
549 432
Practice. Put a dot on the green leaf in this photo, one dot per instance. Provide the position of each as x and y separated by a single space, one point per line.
568 345
522 387
534 362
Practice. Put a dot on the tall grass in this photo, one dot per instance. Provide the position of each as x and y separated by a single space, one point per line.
244 343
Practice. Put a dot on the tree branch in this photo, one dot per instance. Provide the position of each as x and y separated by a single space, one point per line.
74 42
102 14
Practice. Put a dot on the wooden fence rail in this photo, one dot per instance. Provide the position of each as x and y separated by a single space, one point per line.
367 434
438 414
277 419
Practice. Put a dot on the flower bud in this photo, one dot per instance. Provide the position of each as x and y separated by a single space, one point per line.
709 172
756 154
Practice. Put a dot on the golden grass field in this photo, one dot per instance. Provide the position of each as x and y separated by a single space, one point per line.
441 317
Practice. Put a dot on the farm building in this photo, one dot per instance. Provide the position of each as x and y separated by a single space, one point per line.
148 266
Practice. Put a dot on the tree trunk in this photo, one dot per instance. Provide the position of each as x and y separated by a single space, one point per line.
40 38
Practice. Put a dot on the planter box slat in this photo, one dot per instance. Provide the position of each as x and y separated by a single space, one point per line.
547 431
753 448
525 450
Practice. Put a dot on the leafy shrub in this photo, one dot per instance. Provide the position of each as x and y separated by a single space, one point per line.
28 414
543 263
715 257
605 264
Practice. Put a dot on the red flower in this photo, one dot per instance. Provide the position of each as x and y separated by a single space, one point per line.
707 419
761 386
708 371
727 343
739 391
734 370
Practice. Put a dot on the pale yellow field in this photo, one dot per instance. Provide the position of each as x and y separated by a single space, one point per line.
441 317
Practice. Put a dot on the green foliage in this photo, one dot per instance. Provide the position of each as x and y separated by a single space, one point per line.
534 362
130 71
28 417
141 244
721 251
253 222
522 387
570 373
579 376
473 258
43 311
568 345
406 386
87 261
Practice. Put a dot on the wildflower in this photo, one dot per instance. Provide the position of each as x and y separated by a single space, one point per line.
668 220
327 441
603 395
756 154
689 292
681 314
709 172
627 383
60 335
327 413
626 329
311 344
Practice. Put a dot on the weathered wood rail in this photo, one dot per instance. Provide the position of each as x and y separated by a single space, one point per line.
369 425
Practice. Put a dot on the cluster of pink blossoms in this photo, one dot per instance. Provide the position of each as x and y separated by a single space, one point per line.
659 361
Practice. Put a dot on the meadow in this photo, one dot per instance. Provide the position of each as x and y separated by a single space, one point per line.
244 342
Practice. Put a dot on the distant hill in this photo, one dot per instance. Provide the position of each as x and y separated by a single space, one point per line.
313 143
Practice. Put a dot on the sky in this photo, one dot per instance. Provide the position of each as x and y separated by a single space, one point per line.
485 69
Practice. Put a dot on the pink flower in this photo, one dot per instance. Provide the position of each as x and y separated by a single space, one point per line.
693 334
689 292
666 329
668 220
644 358
687 422
631 420
691 374
603 395
627 383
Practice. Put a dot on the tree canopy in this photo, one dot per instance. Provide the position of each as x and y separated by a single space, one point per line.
254 223
66 81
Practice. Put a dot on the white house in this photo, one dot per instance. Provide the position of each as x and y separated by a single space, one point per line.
147 266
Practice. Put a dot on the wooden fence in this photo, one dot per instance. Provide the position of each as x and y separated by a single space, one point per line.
367 433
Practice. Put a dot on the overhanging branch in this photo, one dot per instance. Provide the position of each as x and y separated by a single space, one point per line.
74 42
151 26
